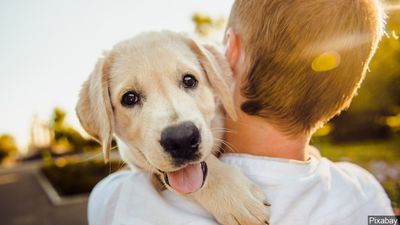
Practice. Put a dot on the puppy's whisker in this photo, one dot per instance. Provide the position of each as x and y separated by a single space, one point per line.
228 131
122 164
221 128
109 171
97 155
221 131
231 147
223 142
220 149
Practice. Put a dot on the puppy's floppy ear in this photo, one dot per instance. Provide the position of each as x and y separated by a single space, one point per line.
94 108
218 73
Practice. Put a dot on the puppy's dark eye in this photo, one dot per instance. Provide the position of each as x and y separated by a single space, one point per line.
130 98
189 81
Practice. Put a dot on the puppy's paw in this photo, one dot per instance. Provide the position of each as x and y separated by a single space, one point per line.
241 203
233 199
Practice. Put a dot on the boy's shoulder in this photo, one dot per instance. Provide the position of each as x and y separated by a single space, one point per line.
318 191
349 175
354 191
355 178
363 180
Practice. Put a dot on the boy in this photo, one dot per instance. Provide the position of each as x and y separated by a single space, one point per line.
296 64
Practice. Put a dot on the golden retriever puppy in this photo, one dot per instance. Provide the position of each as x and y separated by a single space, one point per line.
164 96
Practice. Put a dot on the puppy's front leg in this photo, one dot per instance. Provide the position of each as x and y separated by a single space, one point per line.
231 197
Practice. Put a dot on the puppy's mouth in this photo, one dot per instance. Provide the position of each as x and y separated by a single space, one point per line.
188 179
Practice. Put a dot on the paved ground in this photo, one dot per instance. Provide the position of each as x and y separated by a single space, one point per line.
23 201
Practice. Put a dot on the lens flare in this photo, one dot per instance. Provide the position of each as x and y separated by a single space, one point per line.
326 61
394 35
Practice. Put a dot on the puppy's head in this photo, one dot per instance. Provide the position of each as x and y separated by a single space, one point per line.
158 93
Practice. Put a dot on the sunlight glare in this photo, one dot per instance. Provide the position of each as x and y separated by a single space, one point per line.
394 35
392 7
326 61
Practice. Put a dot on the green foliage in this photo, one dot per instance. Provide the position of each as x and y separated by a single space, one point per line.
379 95
379 91
2 155
71 178
7 146
206 25
359 126
66 136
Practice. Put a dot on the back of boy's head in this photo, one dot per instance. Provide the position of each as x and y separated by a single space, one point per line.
304 59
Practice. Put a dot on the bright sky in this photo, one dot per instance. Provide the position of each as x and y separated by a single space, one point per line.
48 48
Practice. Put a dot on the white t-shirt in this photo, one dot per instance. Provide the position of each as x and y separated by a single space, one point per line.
316 192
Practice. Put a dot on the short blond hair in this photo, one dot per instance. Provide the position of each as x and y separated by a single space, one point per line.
282 40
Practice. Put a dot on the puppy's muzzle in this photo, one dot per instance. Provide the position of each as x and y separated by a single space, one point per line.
181 142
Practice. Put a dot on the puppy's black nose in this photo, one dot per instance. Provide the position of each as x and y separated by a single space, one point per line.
181 141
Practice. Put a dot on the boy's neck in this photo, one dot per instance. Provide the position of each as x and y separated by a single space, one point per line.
254 136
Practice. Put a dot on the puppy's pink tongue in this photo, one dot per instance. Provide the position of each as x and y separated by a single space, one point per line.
186 180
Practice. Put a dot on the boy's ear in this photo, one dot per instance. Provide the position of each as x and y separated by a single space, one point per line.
218 73
232 47
94 108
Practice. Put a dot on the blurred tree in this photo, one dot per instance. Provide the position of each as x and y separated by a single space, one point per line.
7 146
205 25
66 138
376 109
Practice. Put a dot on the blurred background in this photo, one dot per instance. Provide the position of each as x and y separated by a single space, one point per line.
48 165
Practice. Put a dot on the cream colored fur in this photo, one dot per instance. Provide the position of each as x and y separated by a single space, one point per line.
153 64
